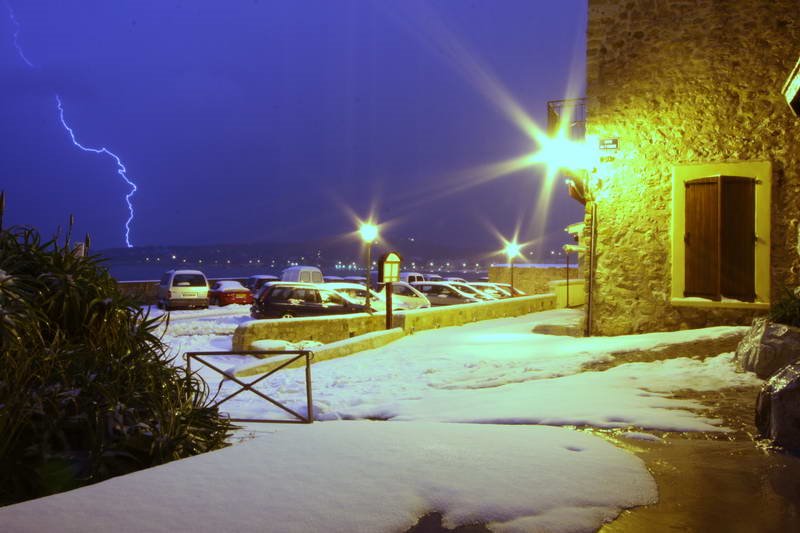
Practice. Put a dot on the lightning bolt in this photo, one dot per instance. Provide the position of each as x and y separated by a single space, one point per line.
17 29
121 170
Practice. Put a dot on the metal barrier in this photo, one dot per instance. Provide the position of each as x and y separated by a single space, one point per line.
298 354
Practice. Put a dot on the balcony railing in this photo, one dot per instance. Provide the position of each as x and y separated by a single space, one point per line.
571 111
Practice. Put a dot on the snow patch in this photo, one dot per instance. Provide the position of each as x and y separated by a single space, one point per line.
363 476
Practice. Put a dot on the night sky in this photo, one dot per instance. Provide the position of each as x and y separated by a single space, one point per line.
246 121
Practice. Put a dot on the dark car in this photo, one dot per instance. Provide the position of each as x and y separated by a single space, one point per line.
287 300
256 282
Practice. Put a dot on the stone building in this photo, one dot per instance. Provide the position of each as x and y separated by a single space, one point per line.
698 200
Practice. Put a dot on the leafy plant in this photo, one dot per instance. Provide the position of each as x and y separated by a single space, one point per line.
87 389
787 309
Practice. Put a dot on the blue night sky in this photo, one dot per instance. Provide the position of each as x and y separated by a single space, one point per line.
244 121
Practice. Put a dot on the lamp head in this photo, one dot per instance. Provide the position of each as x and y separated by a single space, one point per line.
512 249
368 232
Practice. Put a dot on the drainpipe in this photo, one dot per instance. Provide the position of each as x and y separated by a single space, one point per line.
592 264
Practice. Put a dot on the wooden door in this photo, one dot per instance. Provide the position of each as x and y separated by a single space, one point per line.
702 259
737 238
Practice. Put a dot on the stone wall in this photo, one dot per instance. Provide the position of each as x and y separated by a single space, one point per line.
335 328
681 82
531 279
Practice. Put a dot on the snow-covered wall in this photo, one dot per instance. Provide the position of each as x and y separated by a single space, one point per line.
334 328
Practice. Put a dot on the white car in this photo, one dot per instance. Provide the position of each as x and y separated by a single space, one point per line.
469 289
513 290
442 293
183 288
404 296
357 294
492 289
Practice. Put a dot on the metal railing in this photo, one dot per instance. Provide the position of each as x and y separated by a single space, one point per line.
570 110
248 386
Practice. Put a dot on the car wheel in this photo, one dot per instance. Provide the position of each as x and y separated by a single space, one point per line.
287 315
160 304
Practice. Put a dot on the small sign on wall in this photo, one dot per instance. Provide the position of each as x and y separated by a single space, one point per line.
609 144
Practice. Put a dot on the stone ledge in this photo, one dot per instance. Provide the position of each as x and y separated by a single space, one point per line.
702 302
368 341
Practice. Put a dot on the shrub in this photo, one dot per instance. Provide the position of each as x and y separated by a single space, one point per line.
787 309
87 389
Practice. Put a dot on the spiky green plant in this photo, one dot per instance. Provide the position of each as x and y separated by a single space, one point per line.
87 388
787 309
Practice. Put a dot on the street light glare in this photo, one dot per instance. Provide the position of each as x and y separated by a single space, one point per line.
562 153
513 249
368 232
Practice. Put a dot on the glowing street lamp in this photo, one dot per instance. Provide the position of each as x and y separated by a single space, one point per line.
512 250
369 233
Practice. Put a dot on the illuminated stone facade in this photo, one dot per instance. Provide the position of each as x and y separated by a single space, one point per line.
682 82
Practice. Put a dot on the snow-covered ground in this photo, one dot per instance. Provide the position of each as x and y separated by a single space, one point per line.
503 463
497 372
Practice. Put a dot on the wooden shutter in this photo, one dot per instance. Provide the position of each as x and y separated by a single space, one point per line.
737 238
702 259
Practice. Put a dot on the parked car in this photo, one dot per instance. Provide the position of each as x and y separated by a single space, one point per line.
361 280
404 296
182 288
411 277
469 289
253 283
442 293
302 273
332 279
492 289
358 294
513 290
287 300
433 277
227 291
457 280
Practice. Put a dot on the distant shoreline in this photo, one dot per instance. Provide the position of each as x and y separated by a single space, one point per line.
153 272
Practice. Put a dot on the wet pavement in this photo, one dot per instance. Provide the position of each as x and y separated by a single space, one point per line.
724 482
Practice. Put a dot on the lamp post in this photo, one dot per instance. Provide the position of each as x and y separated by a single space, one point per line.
512 250
368 232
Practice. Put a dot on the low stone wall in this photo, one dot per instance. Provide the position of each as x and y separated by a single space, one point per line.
334 328
145 291
334 350
568 293
324 329
457 315
531 279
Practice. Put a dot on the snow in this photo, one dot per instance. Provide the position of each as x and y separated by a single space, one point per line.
228 285
238 310
471 434
363 476
499 372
